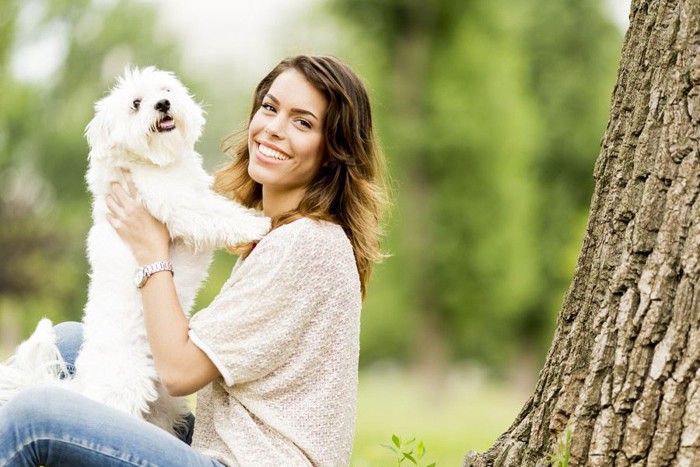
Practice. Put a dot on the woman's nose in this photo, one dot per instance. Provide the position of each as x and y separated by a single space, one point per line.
274 127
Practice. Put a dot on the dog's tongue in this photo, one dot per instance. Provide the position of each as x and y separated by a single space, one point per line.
166 124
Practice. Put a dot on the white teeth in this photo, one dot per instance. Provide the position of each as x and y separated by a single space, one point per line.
269 152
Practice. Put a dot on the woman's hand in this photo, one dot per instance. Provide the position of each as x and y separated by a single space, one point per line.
147 237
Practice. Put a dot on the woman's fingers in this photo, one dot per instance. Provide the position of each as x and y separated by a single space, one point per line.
114 222
120 203
125 199
129 182
147 237
115 207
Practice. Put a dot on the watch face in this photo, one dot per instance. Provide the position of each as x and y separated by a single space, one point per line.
140 277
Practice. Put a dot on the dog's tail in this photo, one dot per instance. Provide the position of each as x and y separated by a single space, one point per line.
37 362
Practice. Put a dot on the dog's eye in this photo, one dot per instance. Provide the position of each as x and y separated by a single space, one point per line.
136 104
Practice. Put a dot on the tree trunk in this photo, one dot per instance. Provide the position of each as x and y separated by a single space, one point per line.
623 372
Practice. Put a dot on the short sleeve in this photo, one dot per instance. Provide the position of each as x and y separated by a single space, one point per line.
255 322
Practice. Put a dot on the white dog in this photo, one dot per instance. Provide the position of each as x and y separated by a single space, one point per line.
148 124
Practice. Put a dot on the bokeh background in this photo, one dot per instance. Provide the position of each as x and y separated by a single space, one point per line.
490 113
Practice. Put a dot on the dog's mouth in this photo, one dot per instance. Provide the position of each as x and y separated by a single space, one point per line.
165 124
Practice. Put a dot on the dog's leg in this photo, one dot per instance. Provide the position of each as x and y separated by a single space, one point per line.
113 366
193 212
211 221
117 374
168 412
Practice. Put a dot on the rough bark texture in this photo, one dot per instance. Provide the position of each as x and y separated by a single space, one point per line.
623 372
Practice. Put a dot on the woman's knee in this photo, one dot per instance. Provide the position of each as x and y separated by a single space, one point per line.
69 334
38 403
32 421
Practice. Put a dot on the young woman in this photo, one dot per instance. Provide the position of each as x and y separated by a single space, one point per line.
274 356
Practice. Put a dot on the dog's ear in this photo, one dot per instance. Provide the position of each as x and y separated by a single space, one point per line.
130 74
97 133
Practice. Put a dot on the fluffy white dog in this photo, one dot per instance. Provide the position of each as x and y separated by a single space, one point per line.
147 124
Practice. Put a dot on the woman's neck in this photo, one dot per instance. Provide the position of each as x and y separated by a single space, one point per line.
276 203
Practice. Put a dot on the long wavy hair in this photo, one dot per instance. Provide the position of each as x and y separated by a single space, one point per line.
350 188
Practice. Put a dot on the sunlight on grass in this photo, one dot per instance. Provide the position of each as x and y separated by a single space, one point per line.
466 412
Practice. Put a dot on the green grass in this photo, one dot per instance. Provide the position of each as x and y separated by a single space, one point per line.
562 450
466 411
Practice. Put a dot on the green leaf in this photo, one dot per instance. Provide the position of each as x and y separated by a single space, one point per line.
432 465
409 441
407 455
389 447
420 450
396 440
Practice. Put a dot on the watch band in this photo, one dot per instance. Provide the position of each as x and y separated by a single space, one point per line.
144 272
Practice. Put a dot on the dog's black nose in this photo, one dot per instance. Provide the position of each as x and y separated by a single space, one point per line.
163 105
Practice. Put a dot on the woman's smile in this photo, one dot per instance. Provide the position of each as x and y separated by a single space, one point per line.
270 151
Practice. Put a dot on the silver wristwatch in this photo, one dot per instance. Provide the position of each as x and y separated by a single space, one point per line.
144 272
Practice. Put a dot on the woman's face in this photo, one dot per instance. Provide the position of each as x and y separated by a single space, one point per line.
285 137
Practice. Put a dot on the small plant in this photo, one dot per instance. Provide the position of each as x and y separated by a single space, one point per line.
405 450
562 450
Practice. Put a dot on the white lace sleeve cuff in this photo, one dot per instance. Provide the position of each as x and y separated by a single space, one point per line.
212 356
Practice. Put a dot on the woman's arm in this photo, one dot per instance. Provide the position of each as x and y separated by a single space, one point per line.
183 368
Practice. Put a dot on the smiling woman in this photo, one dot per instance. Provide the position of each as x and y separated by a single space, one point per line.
284 140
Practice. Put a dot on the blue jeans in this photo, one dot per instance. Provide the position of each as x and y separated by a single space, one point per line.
56 427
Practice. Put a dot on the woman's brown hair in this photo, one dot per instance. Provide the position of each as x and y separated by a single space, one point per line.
349 188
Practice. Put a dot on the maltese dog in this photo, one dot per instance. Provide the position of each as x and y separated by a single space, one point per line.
148 124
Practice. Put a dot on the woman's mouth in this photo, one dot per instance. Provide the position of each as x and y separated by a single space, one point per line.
272 153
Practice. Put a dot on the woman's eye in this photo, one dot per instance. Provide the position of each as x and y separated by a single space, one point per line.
268 107
304 123
136 104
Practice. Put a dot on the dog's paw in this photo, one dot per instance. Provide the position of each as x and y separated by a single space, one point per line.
251 229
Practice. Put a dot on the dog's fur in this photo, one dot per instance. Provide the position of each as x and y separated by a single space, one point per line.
114 365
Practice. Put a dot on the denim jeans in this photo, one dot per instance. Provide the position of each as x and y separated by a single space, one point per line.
55 427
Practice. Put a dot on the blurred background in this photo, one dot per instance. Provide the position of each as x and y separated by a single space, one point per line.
490 113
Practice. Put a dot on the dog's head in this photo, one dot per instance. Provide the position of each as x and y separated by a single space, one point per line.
148 115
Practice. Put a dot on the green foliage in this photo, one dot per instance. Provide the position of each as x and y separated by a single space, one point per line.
490 114
573 52
405 451
485 186
562 450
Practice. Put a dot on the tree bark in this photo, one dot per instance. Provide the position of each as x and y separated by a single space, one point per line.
623 371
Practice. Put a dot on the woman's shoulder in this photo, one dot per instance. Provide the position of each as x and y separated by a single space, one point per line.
307 231
306 240
306 253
